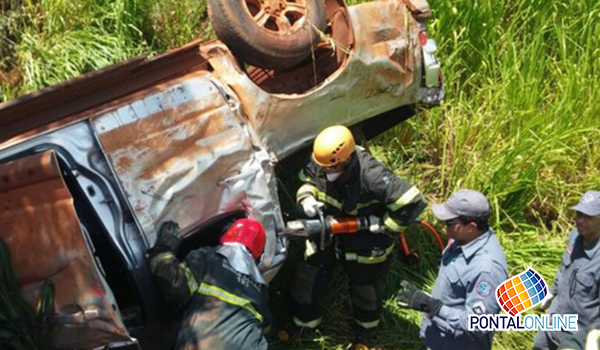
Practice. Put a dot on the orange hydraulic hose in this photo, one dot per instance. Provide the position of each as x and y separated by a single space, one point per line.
434 232
403 245
348 225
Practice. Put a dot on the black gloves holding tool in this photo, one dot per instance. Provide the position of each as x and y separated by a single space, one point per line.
411 297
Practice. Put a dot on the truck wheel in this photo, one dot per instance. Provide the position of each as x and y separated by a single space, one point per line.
272 34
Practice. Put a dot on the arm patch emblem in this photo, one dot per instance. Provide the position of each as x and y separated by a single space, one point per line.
484 289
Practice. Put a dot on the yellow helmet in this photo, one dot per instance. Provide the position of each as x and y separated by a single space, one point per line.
333 145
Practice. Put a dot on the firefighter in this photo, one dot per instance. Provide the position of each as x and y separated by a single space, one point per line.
223 293
344 180
472 266
576 288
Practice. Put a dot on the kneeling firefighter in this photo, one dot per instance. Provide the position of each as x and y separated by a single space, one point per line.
224 295
344 180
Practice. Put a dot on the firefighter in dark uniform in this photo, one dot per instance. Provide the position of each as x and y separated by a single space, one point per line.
224 295
342 180
576 288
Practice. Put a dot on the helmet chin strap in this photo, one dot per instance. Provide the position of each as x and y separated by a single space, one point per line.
331 177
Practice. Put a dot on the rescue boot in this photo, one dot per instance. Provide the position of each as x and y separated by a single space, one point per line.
364 342
294 332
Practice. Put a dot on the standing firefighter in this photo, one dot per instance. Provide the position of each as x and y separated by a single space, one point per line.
224 294
473 265
576 288
342 180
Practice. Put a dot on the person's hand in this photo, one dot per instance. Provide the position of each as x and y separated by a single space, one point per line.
545 304
311 206
411 297
375 225
169 236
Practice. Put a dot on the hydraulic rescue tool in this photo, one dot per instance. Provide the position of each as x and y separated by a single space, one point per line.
325 227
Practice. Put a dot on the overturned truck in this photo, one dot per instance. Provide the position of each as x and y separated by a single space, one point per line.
91 167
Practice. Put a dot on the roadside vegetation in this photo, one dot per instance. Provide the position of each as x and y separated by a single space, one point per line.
521 120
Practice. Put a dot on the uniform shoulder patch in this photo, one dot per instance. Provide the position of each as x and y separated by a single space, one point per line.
387 180
479 308
484 288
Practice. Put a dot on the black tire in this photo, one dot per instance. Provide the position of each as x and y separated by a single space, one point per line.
268 44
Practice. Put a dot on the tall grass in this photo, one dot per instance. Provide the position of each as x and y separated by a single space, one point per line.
43 42
520 122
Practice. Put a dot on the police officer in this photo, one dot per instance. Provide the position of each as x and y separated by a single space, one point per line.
224 295
575 288
472 266
343 180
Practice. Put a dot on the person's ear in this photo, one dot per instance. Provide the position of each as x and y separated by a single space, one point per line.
473 225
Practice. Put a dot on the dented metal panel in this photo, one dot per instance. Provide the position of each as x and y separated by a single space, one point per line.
38 218
182 152
419 8
67 102
382 72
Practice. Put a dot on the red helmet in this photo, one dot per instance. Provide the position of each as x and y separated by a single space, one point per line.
249 233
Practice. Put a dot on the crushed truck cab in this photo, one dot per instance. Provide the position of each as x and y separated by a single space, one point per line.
90 168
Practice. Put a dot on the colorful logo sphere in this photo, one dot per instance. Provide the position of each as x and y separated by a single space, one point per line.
522 292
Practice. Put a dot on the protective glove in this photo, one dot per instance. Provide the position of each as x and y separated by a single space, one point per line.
169 236
311 206
547 301
411 297
375 225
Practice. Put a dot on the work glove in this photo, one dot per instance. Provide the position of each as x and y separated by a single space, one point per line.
411 297
547 301
311 206
169 236
375 225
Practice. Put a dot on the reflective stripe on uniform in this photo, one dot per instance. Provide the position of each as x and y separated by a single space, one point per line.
391 223
308 324
593 340
368 204
367 325
229 298
323 197
305 191
304 178
159 259
369 260
405 199
310 249
189 278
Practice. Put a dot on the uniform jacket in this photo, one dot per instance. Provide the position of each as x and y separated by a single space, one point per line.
577 284
225 308
365 188
466 284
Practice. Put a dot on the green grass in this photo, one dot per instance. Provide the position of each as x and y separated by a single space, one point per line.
43 42
520 123
521 120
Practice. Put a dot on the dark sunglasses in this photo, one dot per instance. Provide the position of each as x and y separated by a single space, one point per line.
452 222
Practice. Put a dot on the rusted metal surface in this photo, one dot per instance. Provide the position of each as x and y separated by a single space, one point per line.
187 136
382 73
419 8
40 226
327 57
182 152
42 108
